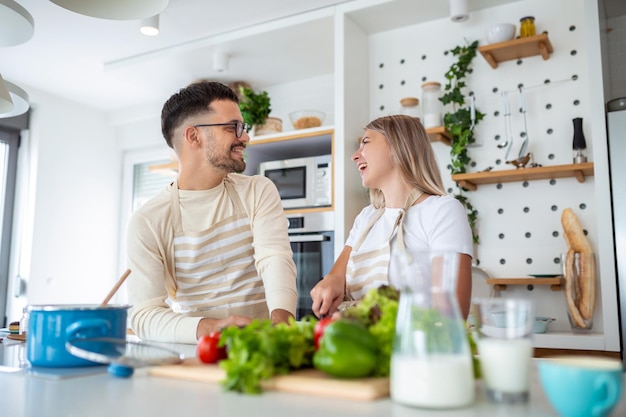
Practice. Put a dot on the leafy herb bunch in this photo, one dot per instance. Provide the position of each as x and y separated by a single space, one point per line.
254 107
459 121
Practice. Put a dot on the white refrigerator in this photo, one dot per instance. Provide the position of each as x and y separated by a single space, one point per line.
617 162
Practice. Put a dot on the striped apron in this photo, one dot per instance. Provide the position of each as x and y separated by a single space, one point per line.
214 269
370 268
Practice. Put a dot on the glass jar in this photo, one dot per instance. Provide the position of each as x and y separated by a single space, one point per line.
431 361
432 106
409 106
527 26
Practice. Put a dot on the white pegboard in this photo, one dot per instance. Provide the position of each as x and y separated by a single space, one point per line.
519 222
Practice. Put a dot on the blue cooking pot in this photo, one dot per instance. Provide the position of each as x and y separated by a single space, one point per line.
51 326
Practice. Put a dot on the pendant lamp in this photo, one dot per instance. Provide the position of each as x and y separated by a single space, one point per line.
115 9
16 24
459 11
150 26
6 104
19 99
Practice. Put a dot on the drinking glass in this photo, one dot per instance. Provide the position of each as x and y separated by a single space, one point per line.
505 347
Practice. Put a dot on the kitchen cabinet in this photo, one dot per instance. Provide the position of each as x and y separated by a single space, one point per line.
471 181
516 49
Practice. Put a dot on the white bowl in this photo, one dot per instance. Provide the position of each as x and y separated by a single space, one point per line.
500 33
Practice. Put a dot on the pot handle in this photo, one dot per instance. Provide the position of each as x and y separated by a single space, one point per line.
82 329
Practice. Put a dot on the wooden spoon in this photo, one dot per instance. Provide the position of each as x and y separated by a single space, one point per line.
116 287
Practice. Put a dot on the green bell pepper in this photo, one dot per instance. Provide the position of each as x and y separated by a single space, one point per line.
347 350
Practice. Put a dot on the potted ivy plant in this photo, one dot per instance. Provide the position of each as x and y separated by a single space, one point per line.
458 121
255 109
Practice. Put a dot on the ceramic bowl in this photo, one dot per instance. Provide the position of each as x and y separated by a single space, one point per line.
541 324
617 104
305 119
500 33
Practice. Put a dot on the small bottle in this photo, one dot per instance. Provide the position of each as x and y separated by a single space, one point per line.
24 321
527 26
579 145
410 106
432 106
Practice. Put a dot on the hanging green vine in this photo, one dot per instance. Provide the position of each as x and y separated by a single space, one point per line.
459 122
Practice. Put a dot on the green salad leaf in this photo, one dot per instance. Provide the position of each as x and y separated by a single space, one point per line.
260 350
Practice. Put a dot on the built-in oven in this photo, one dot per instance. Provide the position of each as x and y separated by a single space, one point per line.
312 242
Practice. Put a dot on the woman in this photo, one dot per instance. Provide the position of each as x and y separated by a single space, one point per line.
409 208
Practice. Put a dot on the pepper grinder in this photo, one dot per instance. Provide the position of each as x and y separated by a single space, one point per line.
578 144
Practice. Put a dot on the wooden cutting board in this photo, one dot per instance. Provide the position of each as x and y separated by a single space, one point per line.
303 381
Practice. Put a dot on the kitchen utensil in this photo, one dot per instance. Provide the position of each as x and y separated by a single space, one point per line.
303 381
122 356
508 144
524 147
51 326
116 287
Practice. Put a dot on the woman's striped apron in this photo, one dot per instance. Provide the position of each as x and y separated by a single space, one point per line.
370 268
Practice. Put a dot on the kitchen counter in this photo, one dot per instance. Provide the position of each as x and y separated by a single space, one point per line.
92 392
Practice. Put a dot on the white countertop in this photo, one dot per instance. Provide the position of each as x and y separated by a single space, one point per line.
28 394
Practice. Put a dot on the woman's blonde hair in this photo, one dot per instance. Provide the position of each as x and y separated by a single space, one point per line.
411 151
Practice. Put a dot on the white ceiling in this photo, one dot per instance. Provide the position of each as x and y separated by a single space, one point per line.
109 65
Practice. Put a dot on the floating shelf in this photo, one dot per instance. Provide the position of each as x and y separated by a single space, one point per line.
439 134
283 145
516 49
555 283
471 181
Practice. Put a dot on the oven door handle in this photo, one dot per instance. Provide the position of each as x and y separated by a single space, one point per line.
308 238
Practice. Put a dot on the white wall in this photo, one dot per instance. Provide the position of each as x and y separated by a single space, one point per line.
75 203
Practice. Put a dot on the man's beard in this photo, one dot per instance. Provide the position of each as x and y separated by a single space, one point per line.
223 162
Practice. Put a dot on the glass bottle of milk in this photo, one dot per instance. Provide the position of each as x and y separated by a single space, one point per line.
431 363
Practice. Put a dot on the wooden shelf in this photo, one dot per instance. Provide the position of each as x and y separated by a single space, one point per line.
471 181
284 145
517 49
439 134
555 283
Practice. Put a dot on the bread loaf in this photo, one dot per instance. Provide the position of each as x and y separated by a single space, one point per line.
580 270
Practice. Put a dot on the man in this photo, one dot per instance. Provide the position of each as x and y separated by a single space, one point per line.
211 250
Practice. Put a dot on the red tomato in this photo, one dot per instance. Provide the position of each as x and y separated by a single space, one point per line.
208 350
318 330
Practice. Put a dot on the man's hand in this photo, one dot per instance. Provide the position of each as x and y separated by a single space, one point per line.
207 326
280 316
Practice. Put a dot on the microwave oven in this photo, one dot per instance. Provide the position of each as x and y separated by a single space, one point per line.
301 182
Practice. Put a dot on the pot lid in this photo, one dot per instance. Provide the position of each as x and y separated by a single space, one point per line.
121 355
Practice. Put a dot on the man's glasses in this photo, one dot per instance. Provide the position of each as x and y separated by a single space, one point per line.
239 127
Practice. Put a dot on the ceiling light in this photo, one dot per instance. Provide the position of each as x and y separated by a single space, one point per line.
150 26
20 101
220 61
115 9
459 11
6 104
16 24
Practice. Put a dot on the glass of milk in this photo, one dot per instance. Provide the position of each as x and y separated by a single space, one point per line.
505 347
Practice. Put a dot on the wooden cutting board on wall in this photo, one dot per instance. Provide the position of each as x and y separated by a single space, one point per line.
303 381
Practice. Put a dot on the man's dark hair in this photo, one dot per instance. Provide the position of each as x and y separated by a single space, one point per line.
189 101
